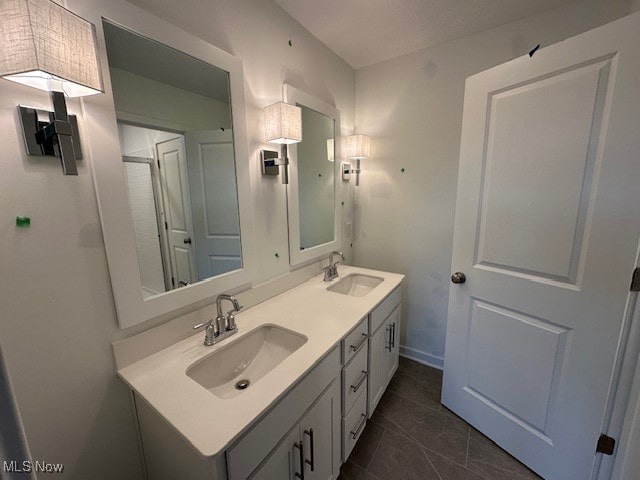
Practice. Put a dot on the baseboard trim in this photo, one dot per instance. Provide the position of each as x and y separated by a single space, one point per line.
422 357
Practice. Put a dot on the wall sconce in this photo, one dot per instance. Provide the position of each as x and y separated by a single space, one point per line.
358 147
283 126
45 46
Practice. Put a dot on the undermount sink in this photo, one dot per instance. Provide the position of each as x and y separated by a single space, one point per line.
355 285
239 365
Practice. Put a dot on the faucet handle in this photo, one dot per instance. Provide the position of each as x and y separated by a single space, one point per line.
231 320
208 323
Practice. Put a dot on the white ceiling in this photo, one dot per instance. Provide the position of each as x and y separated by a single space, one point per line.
363 32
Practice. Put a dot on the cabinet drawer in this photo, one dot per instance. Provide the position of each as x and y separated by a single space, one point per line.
354 379
382 311
355 341
353 424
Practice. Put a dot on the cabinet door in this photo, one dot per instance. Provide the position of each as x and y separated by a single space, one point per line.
392 350
283 462
378 344
320 433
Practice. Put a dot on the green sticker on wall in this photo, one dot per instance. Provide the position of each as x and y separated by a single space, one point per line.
23 222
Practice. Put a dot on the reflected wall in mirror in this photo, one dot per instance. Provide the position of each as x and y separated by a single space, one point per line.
174 123
316 186
312 194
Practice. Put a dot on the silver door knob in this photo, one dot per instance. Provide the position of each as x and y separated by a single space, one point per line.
458 277
187 241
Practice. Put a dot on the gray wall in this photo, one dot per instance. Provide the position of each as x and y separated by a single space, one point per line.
411 106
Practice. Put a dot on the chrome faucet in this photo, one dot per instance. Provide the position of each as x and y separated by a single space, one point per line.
331 271
220 328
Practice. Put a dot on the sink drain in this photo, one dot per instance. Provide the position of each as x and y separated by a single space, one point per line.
242 384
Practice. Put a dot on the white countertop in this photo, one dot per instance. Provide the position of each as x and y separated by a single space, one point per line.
210 423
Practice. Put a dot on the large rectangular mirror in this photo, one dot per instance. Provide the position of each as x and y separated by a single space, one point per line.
170 165
174 124
312 193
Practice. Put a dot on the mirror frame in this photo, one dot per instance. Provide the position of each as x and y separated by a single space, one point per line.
299 257
109 176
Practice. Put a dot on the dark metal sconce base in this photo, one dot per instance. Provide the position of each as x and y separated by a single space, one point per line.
46 135
271 162
268 162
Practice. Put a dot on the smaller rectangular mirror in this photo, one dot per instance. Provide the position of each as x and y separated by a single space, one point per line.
313 192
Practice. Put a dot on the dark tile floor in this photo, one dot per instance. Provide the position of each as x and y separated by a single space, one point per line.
412 436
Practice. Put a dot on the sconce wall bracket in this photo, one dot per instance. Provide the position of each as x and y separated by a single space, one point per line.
271 161
48 134
347 171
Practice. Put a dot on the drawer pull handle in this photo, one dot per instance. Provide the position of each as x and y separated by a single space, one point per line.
312 462
300 446
393 335
357 347
356 387
360 427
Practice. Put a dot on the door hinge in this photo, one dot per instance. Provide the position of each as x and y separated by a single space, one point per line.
635 280
606 445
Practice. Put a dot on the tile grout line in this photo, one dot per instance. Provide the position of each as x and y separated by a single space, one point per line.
422 449
466 458
384 430
436 409
405 435
408 438
418 378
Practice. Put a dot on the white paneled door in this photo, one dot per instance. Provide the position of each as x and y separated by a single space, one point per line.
177 208
546 235
214 202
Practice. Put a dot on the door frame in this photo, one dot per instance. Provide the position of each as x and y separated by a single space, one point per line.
624 394
160 215
158 125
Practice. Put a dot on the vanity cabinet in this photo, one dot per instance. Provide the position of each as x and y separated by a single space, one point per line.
308 450
309 416
309 431
384 347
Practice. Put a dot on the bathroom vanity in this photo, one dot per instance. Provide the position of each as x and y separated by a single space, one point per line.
316 358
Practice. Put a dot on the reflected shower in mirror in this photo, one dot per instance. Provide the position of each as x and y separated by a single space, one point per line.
174 122
316 190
